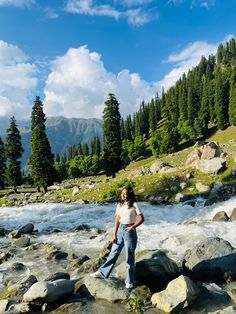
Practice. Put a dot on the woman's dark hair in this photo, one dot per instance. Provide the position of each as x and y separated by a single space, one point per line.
131 197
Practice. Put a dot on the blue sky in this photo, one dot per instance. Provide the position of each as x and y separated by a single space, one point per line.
74 52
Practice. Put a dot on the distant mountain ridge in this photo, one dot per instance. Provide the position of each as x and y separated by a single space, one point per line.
62 132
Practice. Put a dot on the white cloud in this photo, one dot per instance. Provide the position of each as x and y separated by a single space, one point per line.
17 81
186 60
136 14
51 13
16 3
79 84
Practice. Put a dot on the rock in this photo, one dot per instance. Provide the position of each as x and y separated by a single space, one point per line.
5 256
189 175
153 269
49 292
231 290
233 215
91 265
15 234
210 260
222 194
179 197
167 169
221 216
28 228
3 305
70 308
227 310
216 187
2 232
192 158
179 294
141 292
83 227
57 255
211 167
77 262
75 190
183 185
202 188
111 290
157 166
19 308
21 242
49 248
18 267
56 276
21 287
105 250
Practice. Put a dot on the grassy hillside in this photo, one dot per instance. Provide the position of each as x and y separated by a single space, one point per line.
153 187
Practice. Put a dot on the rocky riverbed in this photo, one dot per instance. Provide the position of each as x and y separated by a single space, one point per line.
185 260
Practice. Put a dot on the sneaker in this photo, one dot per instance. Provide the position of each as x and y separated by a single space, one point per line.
129 286
97 274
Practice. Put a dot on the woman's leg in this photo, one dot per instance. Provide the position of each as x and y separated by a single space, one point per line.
107 267
130 242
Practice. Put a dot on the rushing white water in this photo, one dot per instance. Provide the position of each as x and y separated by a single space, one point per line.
164 225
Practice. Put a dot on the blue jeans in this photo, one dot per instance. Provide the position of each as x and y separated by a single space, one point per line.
129 241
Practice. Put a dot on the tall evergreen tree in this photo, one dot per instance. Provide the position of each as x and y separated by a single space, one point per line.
232 98
112 136
2 164
41 161
13 150
221 98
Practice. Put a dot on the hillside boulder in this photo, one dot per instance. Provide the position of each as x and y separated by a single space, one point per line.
221 216
211 260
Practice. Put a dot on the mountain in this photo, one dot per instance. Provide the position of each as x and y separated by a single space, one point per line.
62 132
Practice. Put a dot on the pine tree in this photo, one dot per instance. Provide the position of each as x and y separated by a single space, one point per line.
13 151
41 161
232 98
85 149
112 136
2 164
221 98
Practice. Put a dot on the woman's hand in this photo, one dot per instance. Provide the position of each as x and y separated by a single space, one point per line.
129 229
114 238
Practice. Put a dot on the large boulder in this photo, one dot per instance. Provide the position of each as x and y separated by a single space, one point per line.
213 166
179 294
221 216
111 290
153 269
157 166
207 158
223 193
28 228
49 292
211 260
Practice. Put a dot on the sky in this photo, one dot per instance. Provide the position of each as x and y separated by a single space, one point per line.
73 53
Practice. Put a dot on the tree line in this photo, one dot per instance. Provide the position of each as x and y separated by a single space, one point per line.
205 96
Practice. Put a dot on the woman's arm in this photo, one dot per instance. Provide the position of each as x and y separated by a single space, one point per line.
117 223
137 223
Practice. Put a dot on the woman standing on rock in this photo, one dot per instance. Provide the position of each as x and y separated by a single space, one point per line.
128 218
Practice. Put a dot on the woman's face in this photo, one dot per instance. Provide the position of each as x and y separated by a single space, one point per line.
124 195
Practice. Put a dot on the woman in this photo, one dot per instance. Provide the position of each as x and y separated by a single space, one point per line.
128 218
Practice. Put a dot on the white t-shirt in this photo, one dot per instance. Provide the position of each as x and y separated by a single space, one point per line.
127 215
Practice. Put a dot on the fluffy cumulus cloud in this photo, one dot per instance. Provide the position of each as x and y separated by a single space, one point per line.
135 11
186 60
17 81
78 86
16 3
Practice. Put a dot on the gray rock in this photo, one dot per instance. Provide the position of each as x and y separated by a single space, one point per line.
56 276
222 194
111 290
74 307
49 292
3 305
157 166
221 216
233 215
75 190
179 294
15 234
210 260
153 269
212 167
231 290
19 308
179 197
23 285
18 267
2 232
227 310
77 262
202 188
28 228
91 265
57 255
21 242
183 185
